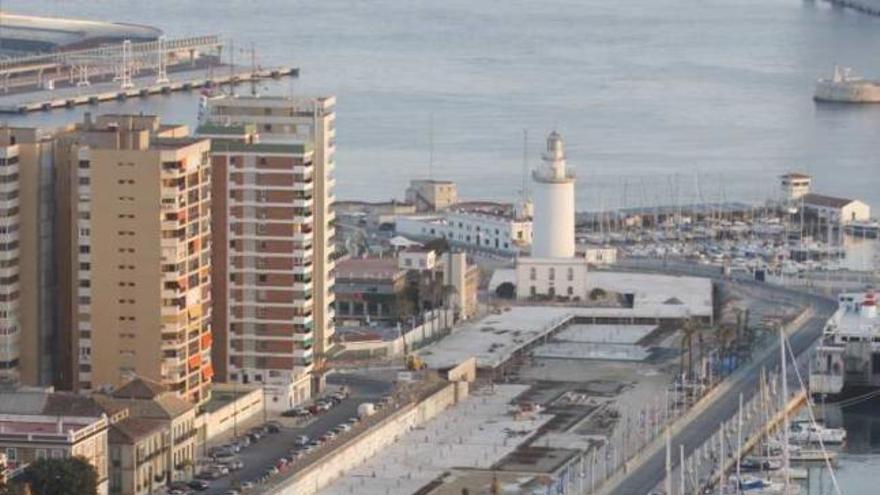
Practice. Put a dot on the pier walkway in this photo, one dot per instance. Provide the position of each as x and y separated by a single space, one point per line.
648 468
93 94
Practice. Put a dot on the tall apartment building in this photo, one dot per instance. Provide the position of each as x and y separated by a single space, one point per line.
274 316
137 219
27 264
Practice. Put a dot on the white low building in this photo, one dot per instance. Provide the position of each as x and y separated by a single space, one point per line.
496 229
552 278
835 210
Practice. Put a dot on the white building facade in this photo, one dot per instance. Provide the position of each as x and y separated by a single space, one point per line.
503 234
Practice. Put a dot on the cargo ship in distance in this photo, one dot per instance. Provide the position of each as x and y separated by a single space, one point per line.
844 87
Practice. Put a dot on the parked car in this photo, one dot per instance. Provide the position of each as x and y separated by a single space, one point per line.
223 449
199 485
272 471
233 465
342 428
327 436
223 469
297 412
247 485
224 458
174 491
273 427
300 440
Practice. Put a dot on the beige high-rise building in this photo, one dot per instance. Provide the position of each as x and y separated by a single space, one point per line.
137 200
280 235
27 270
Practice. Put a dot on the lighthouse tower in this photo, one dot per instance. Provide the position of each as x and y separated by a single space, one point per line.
553 224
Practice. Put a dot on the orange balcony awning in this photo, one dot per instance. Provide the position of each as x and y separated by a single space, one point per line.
207 372
194 361
207 339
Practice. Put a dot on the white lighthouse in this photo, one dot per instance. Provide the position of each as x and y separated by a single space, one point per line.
554 271
553 224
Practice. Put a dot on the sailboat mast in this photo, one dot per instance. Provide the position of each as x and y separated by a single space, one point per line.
668 463
784 379
739 428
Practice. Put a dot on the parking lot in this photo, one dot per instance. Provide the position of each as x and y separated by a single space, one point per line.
268 450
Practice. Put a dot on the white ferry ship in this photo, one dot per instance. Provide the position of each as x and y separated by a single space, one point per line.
847 361
844 87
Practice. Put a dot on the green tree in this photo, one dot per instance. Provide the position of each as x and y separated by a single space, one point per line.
70 476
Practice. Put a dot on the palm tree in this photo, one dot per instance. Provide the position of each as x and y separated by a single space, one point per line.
687 340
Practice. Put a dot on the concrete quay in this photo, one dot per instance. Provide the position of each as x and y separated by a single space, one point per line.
871 7
68 97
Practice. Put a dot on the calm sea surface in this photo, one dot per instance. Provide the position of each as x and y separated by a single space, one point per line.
660 101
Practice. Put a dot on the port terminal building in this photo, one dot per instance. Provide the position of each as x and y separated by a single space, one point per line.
29 34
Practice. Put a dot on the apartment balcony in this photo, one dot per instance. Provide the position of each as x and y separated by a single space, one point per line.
172 242
172 310
174 254
172 371
303 286
308 219
303 236
305 186
303 354
303 303
303 320
307 337
305 269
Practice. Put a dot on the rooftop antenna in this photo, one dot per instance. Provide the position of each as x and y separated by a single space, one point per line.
162 69
431 146
253 70
525 166
231 67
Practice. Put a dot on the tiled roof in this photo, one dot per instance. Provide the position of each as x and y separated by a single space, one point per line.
139 388
131 429
826 201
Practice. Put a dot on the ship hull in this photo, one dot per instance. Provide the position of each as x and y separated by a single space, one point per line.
847 92
847 393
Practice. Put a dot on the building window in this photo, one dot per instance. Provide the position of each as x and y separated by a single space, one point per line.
570 274
551 274
533 291
570 291
533 274
11 454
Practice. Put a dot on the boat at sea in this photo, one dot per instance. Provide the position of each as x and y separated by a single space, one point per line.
844 87
846 364
809 433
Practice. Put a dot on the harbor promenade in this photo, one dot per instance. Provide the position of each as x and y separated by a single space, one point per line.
648 469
